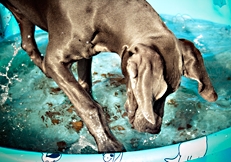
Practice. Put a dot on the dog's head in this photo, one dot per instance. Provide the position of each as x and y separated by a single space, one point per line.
147 88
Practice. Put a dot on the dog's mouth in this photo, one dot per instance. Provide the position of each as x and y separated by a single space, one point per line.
145 121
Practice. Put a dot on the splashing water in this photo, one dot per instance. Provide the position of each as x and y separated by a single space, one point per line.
5 88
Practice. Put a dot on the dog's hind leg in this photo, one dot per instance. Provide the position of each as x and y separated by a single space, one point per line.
28 42
27 30
84 73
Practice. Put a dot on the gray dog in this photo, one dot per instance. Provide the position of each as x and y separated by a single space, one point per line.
152 58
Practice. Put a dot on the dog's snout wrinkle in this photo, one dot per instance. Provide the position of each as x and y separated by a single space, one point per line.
150 117
132 69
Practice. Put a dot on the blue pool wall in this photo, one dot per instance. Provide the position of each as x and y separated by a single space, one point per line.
218 11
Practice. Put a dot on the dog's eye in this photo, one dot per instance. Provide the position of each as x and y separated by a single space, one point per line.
130 54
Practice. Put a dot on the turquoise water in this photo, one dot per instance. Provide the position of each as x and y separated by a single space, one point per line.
36 115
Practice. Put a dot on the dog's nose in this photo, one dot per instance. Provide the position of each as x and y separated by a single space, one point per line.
141 124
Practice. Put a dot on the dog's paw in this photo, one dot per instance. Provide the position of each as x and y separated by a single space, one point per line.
110 146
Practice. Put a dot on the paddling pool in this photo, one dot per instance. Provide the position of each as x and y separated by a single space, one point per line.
200 144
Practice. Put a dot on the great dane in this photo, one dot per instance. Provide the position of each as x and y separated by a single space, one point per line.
152 58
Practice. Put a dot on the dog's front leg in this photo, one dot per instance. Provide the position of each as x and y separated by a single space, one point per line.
90 112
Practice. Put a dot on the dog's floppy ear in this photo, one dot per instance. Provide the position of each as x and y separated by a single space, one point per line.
193 67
